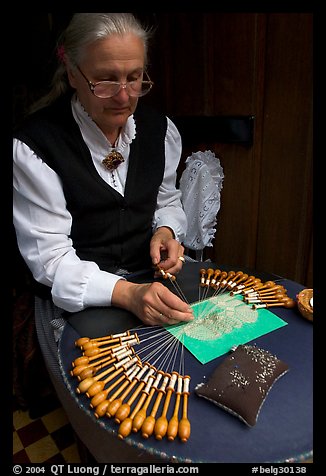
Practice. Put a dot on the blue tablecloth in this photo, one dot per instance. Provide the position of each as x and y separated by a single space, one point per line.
284 429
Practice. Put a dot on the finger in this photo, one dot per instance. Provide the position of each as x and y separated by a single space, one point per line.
177 258
170 260
159 299
172 266
158 251
182 316
176 316
170 304
167 320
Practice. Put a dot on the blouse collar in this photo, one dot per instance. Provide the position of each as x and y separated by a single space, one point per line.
93 133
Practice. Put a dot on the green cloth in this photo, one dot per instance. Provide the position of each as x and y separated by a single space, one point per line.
220 323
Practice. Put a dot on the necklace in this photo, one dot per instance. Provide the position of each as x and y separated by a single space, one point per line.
111 162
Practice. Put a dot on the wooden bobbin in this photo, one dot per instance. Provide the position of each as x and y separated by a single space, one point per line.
83 340
102 395
226 282
267 285
184 424
221 279
103 404
240 286
131 382
238 279
209 273
101 409
141 414
125 427
202 277
272 290
207 282
94 385
165 274
84 360
217 272
248 288
160 270
267 292
85 384
258 300
98 345
173 425
161 424
77 370
288 303
91 370
124 409
147 427
98 350
229 278
253 288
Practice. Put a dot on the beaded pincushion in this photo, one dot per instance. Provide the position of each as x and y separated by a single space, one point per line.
240 384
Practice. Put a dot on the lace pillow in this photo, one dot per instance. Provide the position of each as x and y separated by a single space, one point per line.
240 384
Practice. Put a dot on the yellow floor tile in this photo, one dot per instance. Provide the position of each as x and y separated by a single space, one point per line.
41 450
55 419
20 419
71 454
17 444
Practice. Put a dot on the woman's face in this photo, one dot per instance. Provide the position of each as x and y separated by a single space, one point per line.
117 58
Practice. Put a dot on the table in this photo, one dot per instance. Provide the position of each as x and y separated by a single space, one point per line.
284 429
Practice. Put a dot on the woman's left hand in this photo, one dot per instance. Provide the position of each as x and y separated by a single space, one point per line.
166 251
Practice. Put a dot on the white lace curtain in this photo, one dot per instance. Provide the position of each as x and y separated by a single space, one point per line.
201 183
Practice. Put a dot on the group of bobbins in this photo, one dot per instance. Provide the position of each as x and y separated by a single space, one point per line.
128 375
165 274
256 293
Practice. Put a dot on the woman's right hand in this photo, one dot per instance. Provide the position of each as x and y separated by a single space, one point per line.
152 303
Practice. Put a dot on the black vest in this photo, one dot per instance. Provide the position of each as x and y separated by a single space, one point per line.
112 230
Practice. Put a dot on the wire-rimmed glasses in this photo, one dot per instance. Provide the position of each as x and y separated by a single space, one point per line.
108 89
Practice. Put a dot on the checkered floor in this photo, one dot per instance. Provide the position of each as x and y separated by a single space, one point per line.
45 439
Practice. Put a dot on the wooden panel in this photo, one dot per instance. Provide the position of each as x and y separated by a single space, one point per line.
231 62
176 63
285 217
205 64
260 64
235 65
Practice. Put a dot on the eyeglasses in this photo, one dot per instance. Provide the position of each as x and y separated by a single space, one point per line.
108 89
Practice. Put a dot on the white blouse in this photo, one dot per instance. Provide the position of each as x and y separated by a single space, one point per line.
43 223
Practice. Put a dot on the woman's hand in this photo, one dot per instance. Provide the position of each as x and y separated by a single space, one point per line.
152 303
165 251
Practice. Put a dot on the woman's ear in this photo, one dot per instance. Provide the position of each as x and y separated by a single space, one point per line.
71 77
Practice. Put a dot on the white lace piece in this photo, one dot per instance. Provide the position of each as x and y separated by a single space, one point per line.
201 183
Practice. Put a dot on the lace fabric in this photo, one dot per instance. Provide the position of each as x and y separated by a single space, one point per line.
201 183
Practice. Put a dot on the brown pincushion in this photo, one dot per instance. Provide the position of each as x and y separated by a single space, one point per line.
240 384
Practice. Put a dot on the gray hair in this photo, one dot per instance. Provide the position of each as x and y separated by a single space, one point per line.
84 29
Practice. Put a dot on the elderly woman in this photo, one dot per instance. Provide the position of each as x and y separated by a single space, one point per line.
95 200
